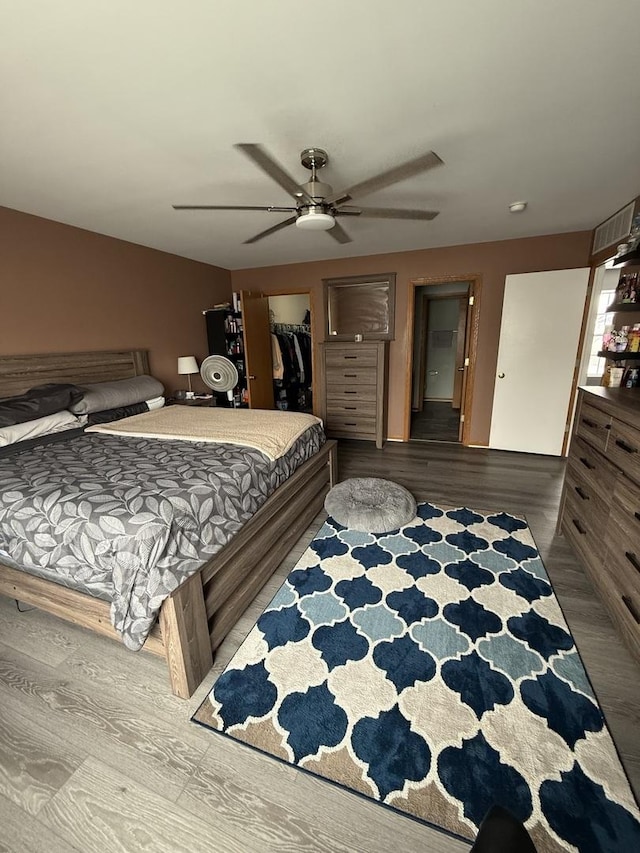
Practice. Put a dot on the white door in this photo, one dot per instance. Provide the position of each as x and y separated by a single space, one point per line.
539 336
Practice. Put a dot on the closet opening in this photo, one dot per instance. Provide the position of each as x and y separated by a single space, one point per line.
443 322
292 351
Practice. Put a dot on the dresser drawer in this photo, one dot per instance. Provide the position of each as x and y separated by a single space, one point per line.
592 509
591 467
337 356
354 375
620 585
593 425
625 509
359 426
623 535
623 448
349 408
338 393
622 560
580 531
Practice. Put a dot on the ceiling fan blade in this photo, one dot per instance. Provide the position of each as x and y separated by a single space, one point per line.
338 233
392 176
272 230
230 207
387 213
265 162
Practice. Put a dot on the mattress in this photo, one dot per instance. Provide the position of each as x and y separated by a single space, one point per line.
128 519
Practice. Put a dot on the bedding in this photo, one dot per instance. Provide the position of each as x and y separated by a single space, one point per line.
127 519
109 415
99 396
271 432
56 422
38 402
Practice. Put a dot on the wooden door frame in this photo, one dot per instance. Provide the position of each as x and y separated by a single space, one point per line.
583 342
461 343
302 291
475 290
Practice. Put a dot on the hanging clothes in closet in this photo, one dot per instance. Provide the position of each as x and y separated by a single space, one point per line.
291 353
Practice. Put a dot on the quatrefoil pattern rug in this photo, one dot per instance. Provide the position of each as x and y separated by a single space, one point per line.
431 669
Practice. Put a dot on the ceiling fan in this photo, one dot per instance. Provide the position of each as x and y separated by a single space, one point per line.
316 205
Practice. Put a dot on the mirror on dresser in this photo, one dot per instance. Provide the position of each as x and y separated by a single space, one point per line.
360 305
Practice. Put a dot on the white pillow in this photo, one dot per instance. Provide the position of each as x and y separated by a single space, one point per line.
156 403
40 426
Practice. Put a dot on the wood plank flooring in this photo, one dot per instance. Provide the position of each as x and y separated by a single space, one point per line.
97 755
437 421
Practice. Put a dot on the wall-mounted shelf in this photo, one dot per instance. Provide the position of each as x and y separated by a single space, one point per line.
625 355
616 307
629 259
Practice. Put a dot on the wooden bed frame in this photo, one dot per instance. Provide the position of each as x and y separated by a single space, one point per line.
196 617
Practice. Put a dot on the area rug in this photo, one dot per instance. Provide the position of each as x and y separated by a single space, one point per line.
431 669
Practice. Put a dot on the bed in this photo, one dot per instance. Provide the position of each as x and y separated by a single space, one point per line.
196 616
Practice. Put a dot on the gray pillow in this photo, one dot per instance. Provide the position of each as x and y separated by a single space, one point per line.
111 395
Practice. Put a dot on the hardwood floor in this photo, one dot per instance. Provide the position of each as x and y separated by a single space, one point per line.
436 422
97 756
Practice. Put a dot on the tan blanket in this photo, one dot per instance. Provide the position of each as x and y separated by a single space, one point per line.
272 432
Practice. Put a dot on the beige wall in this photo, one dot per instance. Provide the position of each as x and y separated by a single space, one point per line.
63 288
492 261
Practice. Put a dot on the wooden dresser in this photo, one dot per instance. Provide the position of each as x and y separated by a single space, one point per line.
355 389
600 507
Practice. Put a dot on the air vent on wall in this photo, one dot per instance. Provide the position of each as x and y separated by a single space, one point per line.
614 229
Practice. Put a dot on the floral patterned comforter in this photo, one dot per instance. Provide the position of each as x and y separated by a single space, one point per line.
129 519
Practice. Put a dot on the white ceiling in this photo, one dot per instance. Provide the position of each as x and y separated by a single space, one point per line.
111 111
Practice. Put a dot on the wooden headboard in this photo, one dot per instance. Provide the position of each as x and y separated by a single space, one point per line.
18 373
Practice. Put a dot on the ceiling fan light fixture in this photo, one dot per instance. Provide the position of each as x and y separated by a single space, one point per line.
315 220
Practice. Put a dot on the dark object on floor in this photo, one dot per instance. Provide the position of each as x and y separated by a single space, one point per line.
370 504
501 832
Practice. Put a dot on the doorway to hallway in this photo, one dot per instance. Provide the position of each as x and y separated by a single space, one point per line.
443 321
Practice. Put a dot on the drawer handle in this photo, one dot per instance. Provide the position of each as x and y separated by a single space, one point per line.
350 375
355 409
581 493
351 356
349 423
627 447
632 610
637 515
591 424
633 560
578 526
586 463
350 392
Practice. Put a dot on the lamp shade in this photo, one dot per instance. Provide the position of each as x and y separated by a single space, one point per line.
187 364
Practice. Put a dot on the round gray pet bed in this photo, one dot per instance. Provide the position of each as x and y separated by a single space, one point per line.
370 504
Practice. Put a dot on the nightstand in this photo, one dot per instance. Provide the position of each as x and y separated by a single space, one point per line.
208 401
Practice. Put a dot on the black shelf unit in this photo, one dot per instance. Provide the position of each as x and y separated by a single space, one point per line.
616 307
225 336
625 355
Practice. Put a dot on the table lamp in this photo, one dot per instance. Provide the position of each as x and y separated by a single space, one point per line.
187 364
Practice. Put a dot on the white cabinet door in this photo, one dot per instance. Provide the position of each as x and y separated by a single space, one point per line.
539 336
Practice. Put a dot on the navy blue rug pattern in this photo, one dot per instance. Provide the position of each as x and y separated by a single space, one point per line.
431 669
